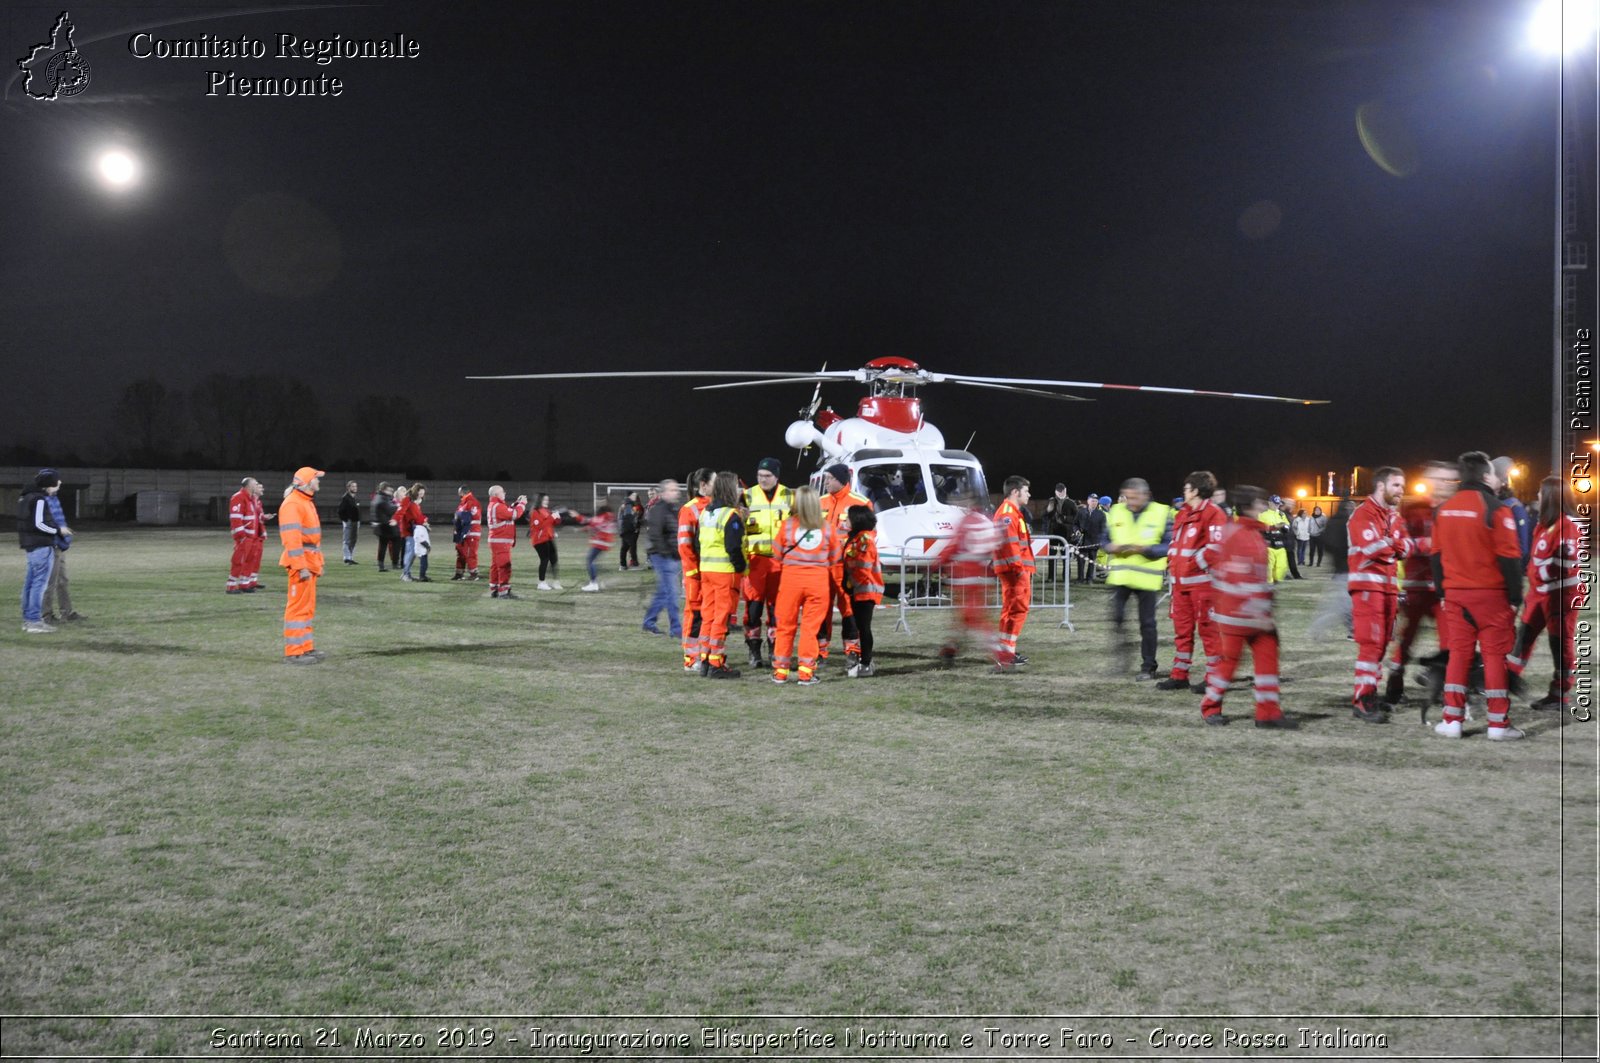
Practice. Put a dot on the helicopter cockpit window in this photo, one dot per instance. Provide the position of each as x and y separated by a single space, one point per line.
962 482
893 485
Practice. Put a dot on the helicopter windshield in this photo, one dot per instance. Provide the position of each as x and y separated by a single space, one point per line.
895 484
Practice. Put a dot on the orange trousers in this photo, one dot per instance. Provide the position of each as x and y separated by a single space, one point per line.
691 621
297 615
719 597
804 590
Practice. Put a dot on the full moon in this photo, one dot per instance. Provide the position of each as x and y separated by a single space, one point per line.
117 169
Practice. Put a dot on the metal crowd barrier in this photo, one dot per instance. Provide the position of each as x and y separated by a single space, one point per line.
923 584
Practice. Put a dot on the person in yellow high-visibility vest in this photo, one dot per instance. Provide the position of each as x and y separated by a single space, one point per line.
1277 541
722 562
767 504
1138 533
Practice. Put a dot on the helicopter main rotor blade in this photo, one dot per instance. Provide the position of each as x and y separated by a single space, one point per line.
762 383
654 374
954 378
1058 396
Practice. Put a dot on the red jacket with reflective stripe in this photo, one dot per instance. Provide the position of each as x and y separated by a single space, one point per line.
1377 540
1014 551
1241 587
863 573
1553 566
502 520
1417 517
469 504
1471 532
246 516
1192 531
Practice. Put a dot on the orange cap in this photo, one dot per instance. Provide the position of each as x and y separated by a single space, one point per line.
305 474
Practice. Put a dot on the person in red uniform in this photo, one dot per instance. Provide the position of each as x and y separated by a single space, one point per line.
837 498
1416 583
1480 558
1198 524
966 560
1378 539
502 520
1241 607
1013 564
1556 593
468 533
247 521
689 555
542 525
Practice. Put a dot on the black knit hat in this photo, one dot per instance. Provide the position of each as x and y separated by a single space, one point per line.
47 478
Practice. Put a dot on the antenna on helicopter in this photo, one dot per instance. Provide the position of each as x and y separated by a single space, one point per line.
809 410
970 438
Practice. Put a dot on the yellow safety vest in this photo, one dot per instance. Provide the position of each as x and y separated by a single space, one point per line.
714 538
1277 556
761 527
1145 528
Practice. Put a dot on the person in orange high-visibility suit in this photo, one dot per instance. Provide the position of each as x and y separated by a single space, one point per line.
808 552
863 581
721 539
836 500
689 555
300 530
1013 563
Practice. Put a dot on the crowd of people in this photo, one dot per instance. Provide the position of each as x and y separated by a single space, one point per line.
779 564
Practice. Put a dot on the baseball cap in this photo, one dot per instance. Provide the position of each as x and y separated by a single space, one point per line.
305 474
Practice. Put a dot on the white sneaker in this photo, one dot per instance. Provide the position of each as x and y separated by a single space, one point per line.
543 585
555 585
1504 734
864 671
853 671
38 627
1448 728
590 587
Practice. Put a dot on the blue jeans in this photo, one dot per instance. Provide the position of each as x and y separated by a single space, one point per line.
410 556
41 559
594 552
669 577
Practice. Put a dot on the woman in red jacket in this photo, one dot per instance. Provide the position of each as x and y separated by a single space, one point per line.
542 524
863 581
1556 594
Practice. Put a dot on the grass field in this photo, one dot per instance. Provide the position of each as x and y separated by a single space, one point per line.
479 808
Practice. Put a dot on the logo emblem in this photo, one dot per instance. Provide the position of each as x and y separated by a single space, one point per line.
55 68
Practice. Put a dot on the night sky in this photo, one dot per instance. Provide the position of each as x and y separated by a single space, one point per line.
1168 193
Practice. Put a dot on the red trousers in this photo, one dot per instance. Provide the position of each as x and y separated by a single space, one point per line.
1478 618
244 569
719 597
467 554
1016 596
297 615
1191 609
760 592
499 566
1539 613
1264 652
1372 613
969 591
804 598
1418 606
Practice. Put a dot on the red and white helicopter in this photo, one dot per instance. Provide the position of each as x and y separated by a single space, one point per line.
897 459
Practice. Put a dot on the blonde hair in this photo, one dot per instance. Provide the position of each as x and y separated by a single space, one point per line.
402 491
807 509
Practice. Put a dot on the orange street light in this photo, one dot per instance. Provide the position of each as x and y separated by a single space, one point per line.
1420 487
1300 492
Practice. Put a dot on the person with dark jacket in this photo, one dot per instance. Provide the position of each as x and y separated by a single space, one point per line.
1060 519
1091 529
1335 606
629 515
38 535
383 519
350 519
661 546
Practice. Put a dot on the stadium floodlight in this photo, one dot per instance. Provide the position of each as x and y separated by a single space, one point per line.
118 170
1561 26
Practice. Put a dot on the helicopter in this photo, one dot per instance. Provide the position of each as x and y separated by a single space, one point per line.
899 462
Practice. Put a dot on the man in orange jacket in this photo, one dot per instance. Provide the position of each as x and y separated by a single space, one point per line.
1013 564
689 555
300 530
